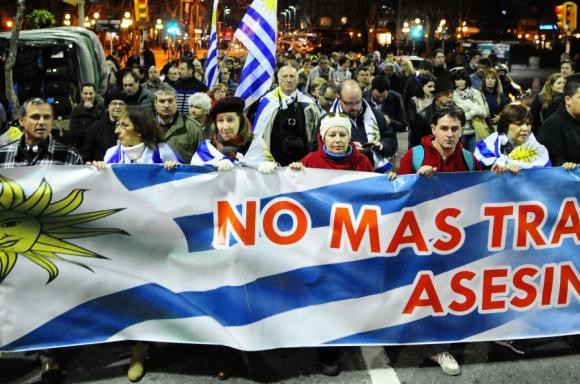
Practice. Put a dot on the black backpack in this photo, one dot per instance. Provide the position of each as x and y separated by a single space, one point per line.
288 141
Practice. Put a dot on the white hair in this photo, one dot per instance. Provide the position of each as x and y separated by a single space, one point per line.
201 100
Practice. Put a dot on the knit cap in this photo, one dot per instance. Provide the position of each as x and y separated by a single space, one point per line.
329 121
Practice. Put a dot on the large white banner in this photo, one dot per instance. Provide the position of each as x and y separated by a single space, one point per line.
285 260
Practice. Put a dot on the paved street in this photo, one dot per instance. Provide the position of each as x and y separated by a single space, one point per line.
550 361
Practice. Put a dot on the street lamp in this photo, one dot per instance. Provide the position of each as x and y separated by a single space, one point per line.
293 9
285 17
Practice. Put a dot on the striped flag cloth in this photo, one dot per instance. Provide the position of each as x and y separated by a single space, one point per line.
211 71
257 32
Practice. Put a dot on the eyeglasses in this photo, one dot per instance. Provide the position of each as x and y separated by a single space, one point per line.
353 103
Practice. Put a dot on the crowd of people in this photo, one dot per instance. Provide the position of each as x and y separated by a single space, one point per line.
341 111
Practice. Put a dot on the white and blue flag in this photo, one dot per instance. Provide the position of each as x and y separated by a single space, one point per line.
211 70
257 32
290 259
530 154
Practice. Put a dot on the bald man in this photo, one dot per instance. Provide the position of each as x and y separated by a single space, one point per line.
370 132
286 118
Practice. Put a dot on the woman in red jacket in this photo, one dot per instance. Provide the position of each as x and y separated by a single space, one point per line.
335 150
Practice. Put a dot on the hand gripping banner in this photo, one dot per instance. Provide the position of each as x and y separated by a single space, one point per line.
291 259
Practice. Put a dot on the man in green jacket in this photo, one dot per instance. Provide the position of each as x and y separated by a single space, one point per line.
182 133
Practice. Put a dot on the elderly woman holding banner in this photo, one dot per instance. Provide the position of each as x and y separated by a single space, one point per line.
335 150
231 142
513 146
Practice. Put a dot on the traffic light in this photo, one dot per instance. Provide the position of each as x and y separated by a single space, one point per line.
141 11
560 16
570 13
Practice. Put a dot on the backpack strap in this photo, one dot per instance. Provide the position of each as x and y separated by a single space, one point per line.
468 159
418 157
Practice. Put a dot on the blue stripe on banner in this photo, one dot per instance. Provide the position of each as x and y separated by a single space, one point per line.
320 200
151 174
270 32
257 41
453 327
266 297
255 86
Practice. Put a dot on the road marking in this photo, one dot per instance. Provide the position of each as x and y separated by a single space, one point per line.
378 366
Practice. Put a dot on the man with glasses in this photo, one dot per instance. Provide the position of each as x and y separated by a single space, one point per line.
370 132
101 134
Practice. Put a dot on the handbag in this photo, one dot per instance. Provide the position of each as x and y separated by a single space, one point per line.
481 128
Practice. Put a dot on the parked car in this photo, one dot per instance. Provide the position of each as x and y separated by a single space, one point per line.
53 63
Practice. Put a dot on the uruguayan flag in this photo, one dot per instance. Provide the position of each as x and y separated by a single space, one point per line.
211 70
160 153
136 252
381 164
206 154
531 154
257 32
270 103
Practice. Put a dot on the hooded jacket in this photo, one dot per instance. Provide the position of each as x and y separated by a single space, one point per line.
453 163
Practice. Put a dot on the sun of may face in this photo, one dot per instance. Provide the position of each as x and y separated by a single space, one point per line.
36 228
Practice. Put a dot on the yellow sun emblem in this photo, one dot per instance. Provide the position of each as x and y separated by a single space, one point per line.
35 228
524 153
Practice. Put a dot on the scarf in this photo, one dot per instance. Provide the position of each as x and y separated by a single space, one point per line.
270 103
381 164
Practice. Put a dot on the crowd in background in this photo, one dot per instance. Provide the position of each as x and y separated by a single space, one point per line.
341 111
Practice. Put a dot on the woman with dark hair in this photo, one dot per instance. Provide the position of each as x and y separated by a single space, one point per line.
424 96
473 104
231 142
513 146
548 100
493 92
140 141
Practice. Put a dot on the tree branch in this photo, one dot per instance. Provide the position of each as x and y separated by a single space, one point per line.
11 61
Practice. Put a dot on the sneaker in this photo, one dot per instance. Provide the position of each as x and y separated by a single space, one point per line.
447 362
514 345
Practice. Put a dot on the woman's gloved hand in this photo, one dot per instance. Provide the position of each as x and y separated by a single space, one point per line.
267 167
224 165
